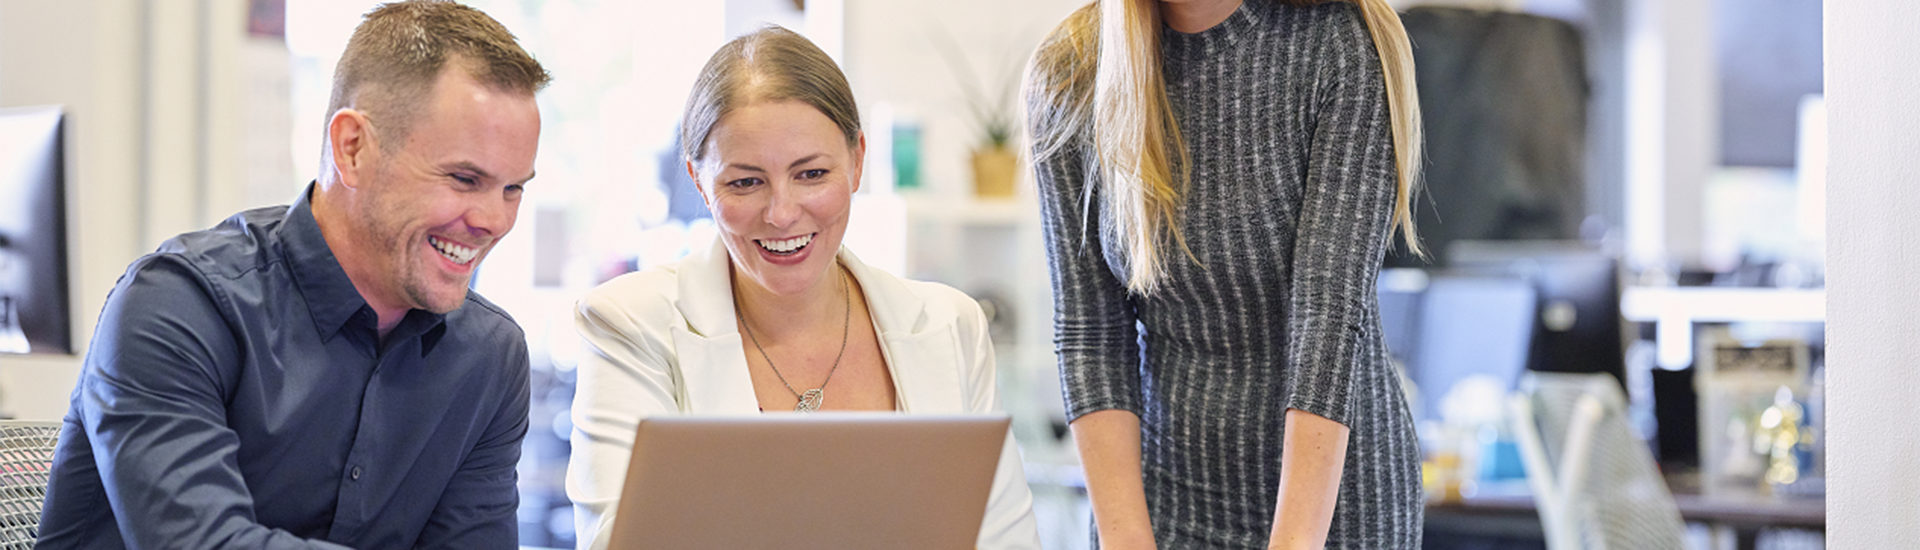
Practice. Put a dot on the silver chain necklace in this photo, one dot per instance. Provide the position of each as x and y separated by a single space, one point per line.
810 400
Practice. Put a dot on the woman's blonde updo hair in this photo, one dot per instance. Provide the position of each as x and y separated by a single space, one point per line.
770 64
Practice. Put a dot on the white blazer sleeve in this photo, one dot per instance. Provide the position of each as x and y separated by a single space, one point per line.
626 372
1009 521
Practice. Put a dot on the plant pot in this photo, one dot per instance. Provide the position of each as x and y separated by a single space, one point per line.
994 169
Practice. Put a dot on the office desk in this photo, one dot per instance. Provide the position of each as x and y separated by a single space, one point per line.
1513 517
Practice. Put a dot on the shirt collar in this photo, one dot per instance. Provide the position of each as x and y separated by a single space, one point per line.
427 325
1223 36
329 294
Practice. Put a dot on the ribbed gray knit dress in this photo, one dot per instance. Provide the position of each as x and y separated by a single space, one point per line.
1285 116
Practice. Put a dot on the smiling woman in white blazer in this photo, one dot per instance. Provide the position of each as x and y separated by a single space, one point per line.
663 342
775 314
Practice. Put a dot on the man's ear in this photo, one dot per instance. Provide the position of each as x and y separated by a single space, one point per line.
350 138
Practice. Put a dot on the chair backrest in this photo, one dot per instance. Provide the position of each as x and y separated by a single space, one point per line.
26 461
1594 481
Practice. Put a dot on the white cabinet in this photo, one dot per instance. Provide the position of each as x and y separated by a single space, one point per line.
992 250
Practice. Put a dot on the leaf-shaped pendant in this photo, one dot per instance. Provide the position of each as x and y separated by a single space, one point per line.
810 401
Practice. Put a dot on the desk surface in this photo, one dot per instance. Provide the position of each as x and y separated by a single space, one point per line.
1732 511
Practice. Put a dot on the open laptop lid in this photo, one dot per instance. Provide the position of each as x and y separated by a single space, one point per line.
823 480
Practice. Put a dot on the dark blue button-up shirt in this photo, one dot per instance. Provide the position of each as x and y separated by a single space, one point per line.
237 395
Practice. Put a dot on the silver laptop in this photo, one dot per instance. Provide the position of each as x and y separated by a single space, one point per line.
822 480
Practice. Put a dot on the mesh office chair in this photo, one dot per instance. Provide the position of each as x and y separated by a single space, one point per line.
26 460
1593 480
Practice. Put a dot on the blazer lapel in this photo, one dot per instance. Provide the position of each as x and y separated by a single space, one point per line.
719 384
921 348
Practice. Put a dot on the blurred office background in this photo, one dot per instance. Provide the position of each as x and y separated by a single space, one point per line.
1633 189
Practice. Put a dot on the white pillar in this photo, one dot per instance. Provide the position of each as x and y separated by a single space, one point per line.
1873 336
1673 141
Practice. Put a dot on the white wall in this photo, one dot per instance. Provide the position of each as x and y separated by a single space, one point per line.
84 54
153 143
1873 261
894 61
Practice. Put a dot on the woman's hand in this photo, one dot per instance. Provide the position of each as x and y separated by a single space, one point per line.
1312 456
1109 443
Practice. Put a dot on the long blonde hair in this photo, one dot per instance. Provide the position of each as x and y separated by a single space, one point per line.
1096 81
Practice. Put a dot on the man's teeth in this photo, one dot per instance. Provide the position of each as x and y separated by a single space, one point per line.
786 246
459 254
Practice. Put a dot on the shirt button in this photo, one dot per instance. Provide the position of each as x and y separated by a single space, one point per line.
355 474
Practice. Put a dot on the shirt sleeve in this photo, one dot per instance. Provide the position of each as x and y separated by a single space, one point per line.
624 375
478 508
1343 229
151 404
1009 522
1095 334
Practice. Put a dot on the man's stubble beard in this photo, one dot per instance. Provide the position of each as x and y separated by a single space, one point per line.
384 233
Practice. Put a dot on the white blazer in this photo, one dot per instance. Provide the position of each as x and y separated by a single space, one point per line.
664 341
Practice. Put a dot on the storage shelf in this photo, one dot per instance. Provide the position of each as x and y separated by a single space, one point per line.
972 211
1720 304
1674 310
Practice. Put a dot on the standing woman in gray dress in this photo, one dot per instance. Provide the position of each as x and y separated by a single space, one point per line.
1220 180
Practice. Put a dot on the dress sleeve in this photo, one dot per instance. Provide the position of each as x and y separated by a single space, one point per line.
478 507
624 375
152 405
1009 522
1094 318
1343 227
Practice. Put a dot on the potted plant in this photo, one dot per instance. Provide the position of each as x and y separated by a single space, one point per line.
995 162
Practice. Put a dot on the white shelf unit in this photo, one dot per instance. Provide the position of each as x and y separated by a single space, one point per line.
992 250
1674 310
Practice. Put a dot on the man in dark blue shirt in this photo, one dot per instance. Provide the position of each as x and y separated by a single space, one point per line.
318 376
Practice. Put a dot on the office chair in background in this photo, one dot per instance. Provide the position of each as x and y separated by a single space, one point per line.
1593 480
26 460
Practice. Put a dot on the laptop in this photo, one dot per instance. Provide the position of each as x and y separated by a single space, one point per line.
821 480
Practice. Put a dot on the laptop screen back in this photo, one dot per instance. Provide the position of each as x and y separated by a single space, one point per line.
826 480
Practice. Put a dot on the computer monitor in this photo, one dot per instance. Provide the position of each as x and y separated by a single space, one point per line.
1578 327
1401 290
1447 327
34 310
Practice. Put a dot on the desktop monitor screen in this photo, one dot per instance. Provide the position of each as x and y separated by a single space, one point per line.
1446 327
34 309
1578 327
1470 326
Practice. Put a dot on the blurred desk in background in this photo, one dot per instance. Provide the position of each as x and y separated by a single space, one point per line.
1511 521
1754 512
1502 522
